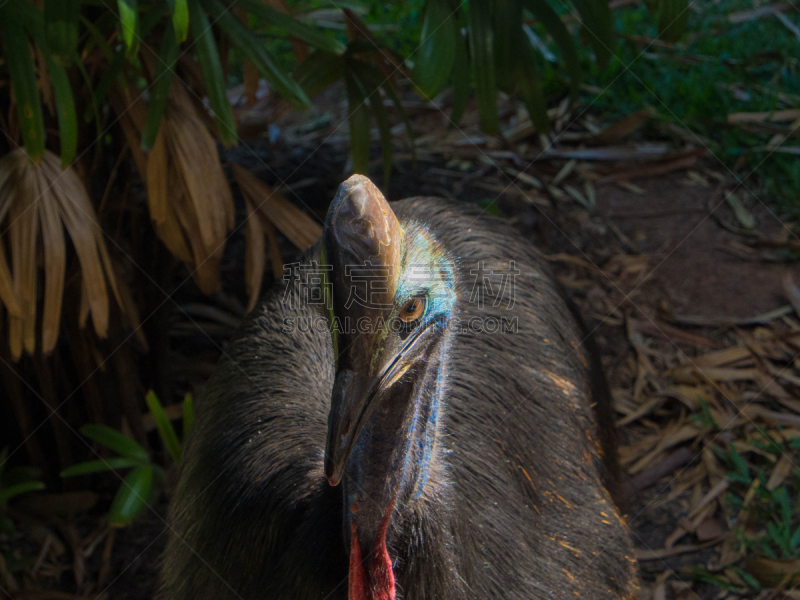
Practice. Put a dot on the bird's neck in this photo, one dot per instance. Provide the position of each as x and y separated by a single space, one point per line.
395 459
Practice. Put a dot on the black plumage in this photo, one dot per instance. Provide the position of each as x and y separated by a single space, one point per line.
514 502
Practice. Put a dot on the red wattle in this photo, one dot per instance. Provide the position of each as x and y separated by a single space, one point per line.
377 581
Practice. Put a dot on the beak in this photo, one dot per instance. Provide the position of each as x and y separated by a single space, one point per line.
351 404
354 399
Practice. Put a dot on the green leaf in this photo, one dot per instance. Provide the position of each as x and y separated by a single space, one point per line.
208 57
188 414
61 25
318 71
164 426
292 26
131 497
530 84
507 36
116 441
385 129
599 27
795 541
97 466
481 44
673 17
254 48
65 108
21 474
180 19
129 23
386 86
20 488
561 36
461 78
359 125
433 61
159 92
23 81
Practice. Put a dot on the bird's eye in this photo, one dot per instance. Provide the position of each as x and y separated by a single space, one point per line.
413 310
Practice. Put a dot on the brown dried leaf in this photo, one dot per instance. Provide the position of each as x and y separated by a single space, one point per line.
255 257
292 222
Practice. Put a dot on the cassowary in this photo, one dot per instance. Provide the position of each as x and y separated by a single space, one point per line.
415 413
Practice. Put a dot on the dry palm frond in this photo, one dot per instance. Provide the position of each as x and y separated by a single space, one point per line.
267 209
44 198
188 195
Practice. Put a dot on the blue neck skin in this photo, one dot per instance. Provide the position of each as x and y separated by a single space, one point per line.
392 460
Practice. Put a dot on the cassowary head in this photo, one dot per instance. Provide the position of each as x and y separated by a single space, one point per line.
392 293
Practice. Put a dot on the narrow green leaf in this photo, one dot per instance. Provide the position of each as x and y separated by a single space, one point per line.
116 441
159 92
385 129
320 70
795 541
180 19
461 78
531 87
165 428
506 36
292 26
23 81
129 24
97 466
20 488
433 60
65 107
398 106
254 48
131 497
359 126
598 24
481 44
151 17
188 414
673 17
208 57
61 24
102 88
561 36
20 474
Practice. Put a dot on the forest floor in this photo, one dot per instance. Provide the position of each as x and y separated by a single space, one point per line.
682 273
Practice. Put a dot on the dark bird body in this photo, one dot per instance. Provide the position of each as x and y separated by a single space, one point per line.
502 496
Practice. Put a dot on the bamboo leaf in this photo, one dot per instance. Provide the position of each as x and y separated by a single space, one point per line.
61 25
461 78
320 70
561 36
20 488
434 59
254 48
531 87
208 57
129 23
359 125
131 497
65 108
98 466
599 26
673 17
159 93
369 80
481 44
23 81
164 426
180 19
116 441
292 26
